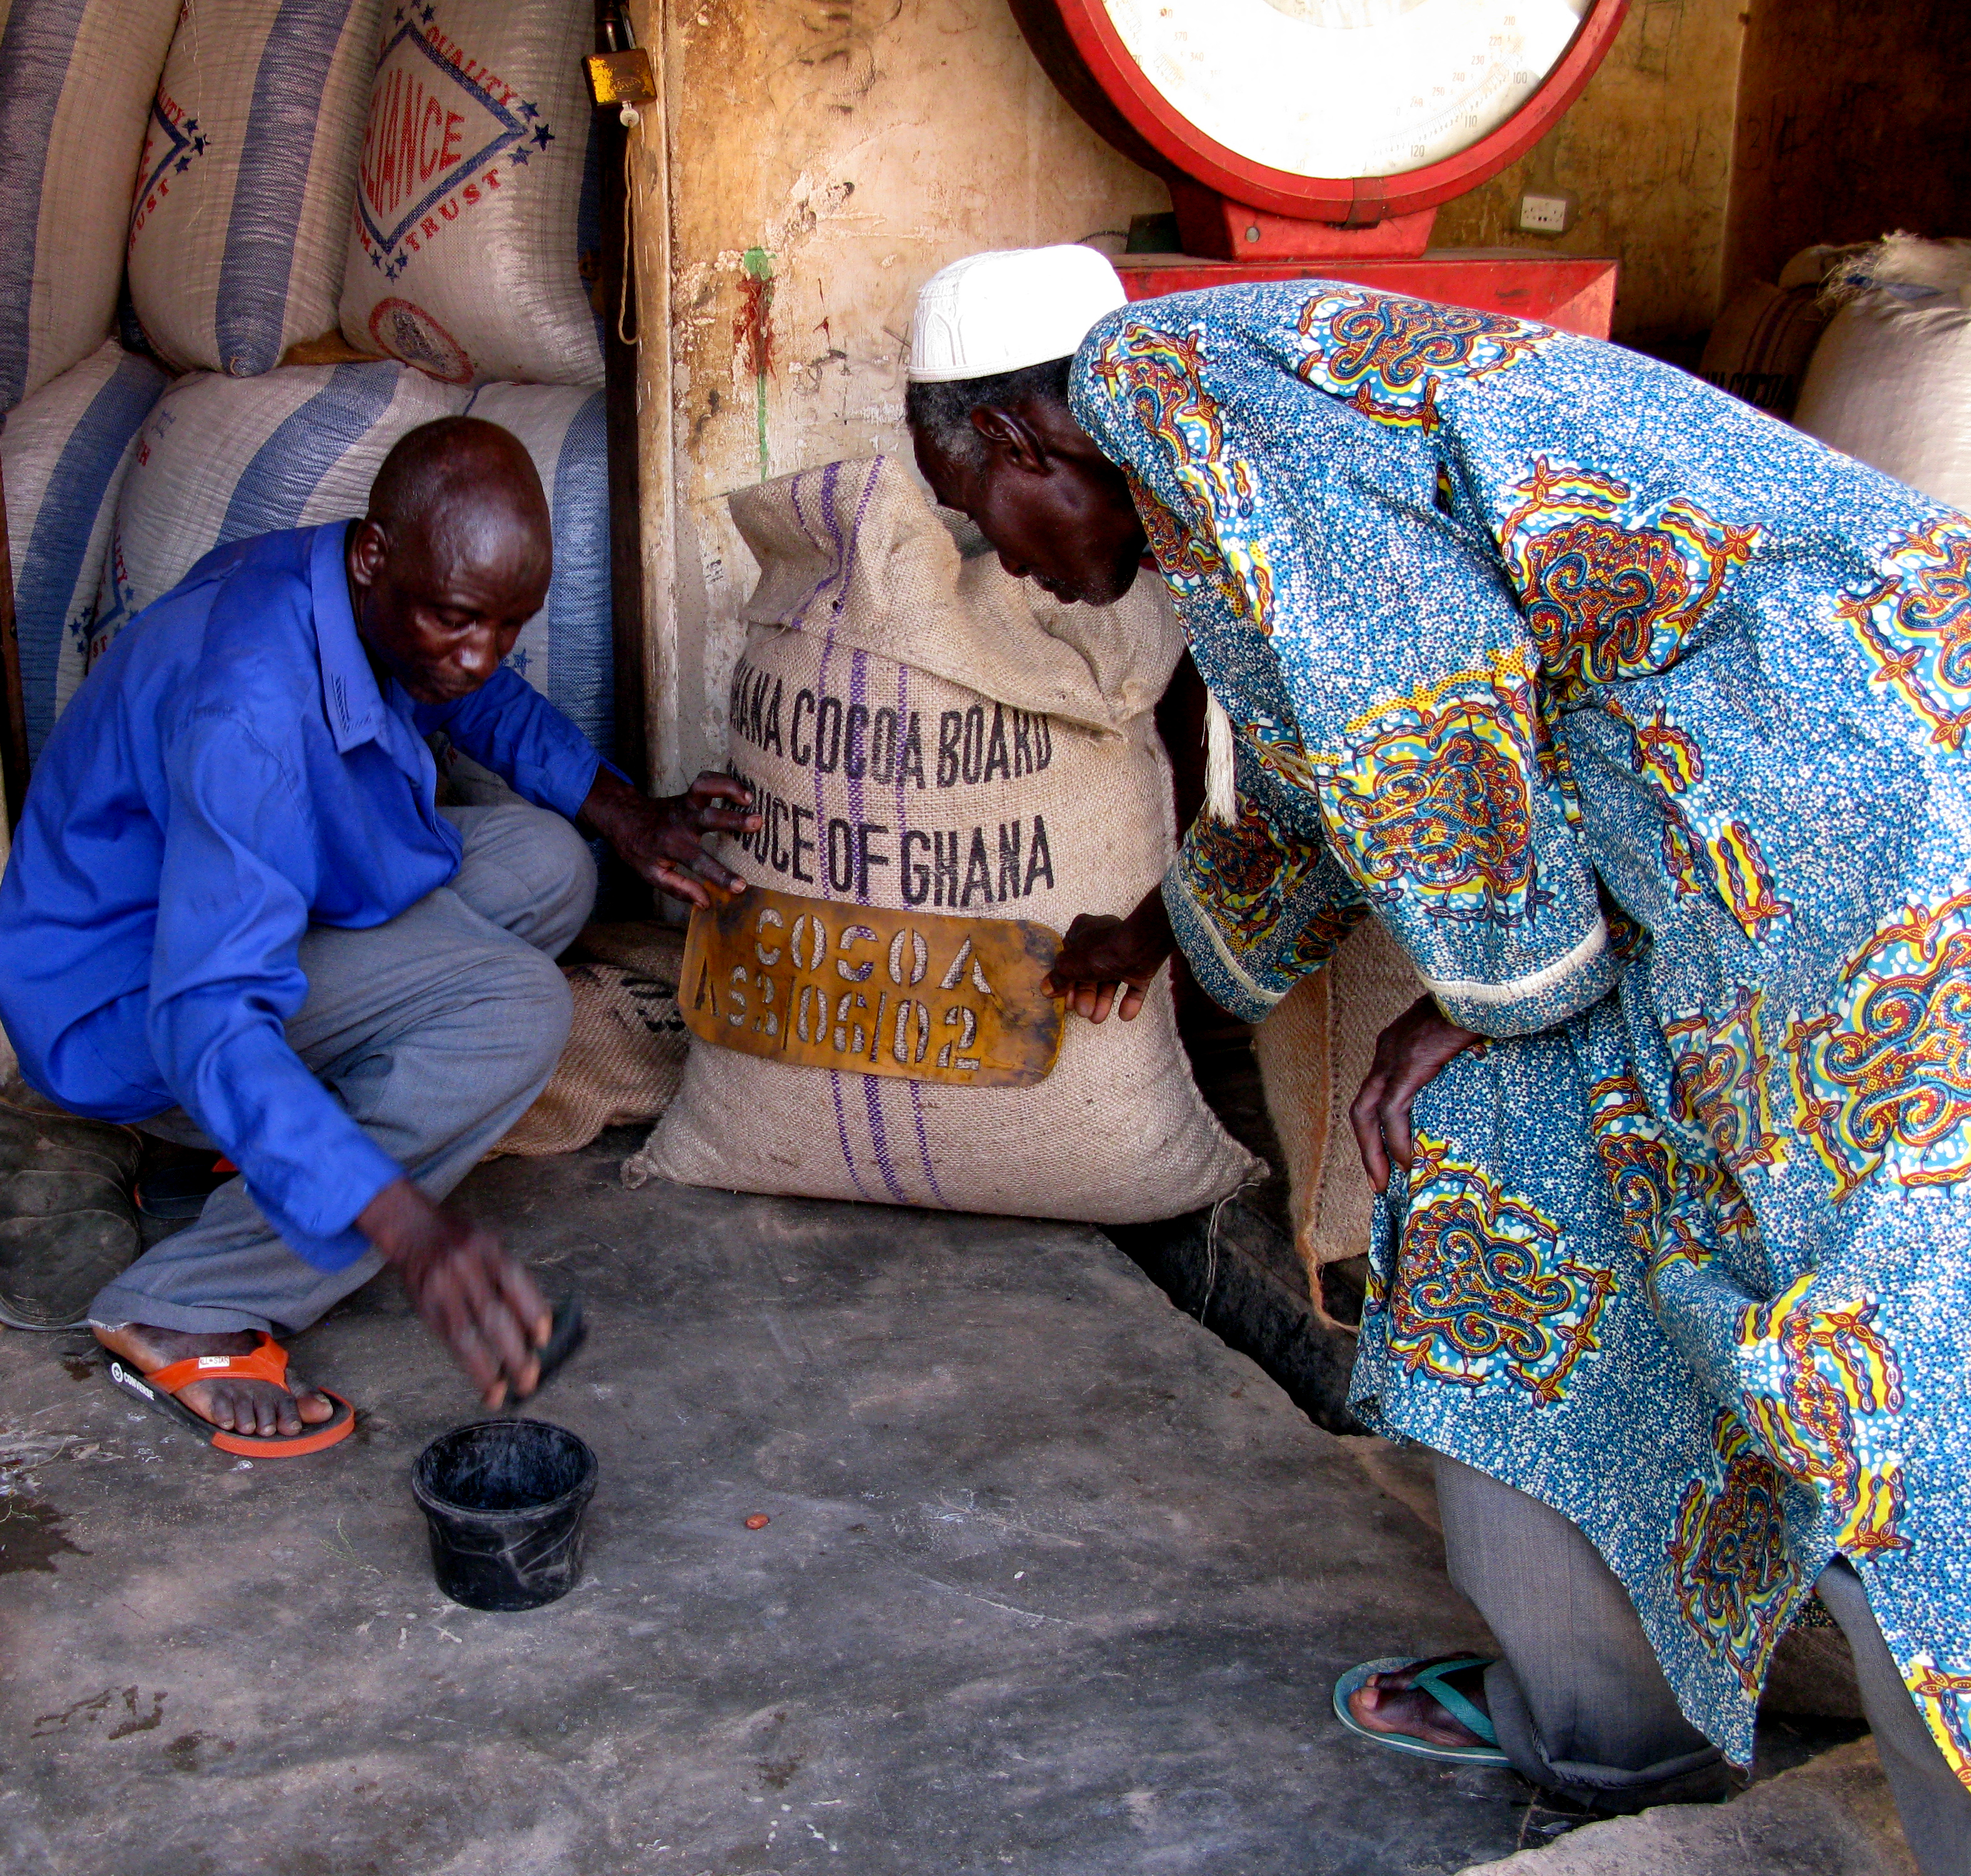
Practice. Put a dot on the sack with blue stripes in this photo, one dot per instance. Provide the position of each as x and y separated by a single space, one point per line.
220 459
64 453
473 193
244 191
567 650
930 739
77 78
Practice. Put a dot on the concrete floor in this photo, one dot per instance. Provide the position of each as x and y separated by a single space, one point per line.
1054 1583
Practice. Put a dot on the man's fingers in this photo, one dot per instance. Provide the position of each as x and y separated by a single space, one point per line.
1132 1000
523 1298
1367 1125
683 853
667 878
502 1332
707 865
482 1366
1104 998
728 821
711 785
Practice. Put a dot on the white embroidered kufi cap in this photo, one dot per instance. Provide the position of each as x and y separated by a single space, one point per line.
1003 311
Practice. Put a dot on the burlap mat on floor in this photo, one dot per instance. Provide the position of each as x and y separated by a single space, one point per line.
626 1044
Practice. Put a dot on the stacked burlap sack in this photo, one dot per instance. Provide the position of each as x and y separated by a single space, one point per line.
1890 382
925 732
1762 343
80 82
318 179
477 195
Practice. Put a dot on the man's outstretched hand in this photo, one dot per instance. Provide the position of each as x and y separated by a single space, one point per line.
470 1293
1102 955
664 839
1409 1055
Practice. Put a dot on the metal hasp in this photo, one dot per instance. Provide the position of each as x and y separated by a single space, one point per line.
1233 206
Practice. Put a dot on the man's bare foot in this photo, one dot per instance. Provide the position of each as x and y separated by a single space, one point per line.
1387 1703
256 1408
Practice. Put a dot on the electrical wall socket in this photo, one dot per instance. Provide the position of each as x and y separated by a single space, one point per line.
1546 211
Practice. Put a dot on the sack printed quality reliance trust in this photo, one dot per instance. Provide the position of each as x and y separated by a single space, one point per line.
464 256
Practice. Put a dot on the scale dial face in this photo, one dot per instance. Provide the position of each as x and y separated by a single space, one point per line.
1336 88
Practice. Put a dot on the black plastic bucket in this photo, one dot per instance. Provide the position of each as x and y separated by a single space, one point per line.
504 1499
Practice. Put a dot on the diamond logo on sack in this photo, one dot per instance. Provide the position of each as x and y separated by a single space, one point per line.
444 134
172 141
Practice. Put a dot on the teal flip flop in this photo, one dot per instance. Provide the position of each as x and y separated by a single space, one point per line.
1432 1680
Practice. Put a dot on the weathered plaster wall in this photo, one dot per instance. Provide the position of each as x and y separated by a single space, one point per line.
826 156
1647 148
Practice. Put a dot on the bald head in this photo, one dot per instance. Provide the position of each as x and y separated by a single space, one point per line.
463 482
453 557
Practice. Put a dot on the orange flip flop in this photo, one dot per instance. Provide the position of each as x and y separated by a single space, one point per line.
159 1390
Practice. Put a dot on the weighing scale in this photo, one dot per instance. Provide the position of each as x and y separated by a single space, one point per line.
1316 138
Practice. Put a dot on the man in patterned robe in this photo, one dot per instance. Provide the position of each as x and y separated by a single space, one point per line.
1635 716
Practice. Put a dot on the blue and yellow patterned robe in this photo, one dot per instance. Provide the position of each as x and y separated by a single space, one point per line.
1637 716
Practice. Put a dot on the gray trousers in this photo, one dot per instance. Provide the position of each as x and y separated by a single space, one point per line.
1581 1706
435 1031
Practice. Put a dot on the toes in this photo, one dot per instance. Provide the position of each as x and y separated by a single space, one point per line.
314 1407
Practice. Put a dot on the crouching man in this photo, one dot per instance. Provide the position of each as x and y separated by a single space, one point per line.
235 916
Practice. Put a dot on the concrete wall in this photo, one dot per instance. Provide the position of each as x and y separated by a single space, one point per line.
826 156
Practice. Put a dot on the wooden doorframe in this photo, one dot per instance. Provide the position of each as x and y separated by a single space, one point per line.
643 532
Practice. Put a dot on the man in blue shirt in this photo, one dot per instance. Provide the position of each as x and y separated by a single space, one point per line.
235 916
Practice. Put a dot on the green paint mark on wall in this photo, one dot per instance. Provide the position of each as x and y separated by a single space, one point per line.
756 333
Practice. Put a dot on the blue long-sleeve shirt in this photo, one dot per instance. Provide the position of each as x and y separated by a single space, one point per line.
229 774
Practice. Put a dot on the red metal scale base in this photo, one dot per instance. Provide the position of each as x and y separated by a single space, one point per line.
1577 295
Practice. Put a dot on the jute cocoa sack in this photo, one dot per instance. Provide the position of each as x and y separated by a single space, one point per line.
926 733
1314 1048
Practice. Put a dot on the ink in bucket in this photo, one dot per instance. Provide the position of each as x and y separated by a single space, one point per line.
504 1499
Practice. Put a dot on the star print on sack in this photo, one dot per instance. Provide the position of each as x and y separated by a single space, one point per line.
469 127
440 122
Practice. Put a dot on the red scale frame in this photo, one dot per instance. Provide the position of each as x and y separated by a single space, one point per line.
1242 220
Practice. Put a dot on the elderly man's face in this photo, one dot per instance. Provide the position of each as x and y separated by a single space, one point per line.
440 605
1056 510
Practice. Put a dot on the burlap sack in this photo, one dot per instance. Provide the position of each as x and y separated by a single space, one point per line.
76 77
241 219
626 1044
1890 382
925 730
464 255
1314 1049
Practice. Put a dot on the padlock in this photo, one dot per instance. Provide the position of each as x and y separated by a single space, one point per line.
620 78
